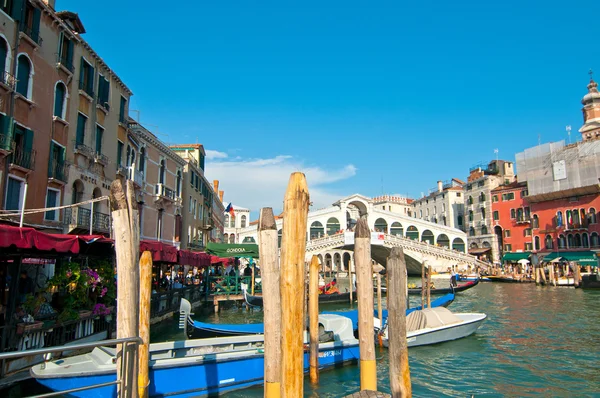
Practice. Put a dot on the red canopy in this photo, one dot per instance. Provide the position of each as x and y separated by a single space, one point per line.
29 238
160 251
194 259
217 259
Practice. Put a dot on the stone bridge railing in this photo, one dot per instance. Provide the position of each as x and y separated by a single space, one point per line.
333 241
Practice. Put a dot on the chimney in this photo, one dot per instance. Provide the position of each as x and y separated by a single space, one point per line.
221 195
440 186
216 185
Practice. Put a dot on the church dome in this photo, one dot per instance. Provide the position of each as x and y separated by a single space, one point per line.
593 95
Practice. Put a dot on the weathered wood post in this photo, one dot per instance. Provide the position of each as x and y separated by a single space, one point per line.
542 273
351 284
364 290
551 274
398 345
267 241
127 242
253 268
422 285
293 251
576 273
313 309
145 292
428 287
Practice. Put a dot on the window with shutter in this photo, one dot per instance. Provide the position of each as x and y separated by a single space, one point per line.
60 93
99 134
81 122
51 201
13 194
24 76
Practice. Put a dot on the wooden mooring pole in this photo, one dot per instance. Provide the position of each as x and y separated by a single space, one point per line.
351 284
293 276
364 290
379 308
269 265
398 345
145 292
422 285
125 220
313 309
428 287
576 273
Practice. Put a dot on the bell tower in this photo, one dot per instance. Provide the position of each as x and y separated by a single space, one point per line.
591 112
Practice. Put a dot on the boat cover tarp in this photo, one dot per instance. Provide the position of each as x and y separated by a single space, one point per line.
430 318
584 257
516 256
226 250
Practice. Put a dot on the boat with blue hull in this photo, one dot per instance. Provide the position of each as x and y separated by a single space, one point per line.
196 329
193 368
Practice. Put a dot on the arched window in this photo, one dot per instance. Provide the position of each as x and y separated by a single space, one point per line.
178 183
537 243
520 215
575 215
471 231
536 221
459 220
569 216
162 172
562 242
559 219
570 240
60 100
24 76
482 197
470 215
548 242
4 57
396 229
592 216
577 240
594 239
484 230
142 165
316 230
243 222
585 241
483 213
470 200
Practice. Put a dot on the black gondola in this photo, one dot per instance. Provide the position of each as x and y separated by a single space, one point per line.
451 289
257 301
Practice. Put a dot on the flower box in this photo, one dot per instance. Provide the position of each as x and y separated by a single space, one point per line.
26 327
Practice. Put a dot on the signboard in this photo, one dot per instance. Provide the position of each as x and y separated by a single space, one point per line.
560 170
377 238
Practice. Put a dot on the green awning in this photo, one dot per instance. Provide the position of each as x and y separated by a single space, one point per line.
516 256
231 250
583 258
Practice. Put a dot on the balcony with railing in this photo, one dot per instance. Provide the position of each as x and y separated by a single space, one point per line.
58 171
23 159
79 218
135 175
81 148
162 192
101 158
32 34
8 80
63 61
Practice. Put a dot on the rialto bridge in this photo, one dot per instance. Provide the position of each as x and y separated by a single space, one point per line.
330 237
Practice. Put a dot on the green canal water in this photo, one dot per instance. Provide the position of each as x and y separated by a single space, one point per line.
536 342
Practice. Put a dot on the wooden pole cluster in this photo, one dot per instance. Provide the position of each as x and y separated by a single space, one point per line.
267 241
398 345
293 249
422 285
542 273
145 292
313 309
125 218
364 290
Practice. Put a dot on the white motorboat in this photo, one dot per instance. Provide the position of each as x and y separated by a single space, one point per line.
437 325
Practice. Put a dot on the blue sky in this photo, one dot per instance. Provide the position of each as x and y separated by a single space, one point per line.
368 98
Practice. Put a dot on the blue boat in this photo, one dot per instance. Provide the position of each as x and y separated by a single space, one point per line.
193 368
196 329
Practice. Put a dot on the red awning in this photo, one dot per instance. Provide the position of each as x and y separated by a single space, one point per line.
29 238
194 259
160 251
225 261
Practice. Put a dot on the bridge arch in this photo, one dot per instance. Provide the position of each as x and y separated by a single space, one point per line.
427 236
381 225
346 261
396 229
459 245
333 226
327 266
316 230
337 261
412 233
442 240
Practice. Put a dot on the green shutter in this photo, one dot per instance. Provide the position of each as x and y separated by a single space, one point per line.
35 29
51 160
80 129
6 132
17 10
82 65
61 36
28 143
99 140
70 54
92 77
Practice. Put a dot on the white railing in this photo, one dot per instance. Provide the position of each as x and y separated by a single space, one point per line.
136 176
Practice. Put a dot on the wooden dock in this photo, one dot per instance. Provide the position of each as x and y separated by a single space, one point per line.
227 297
369 394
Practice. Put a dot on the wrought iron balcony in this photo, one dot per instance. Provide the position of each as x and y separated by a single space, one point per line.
136 176
79 217
24 159
83 149
64 62
162 192
100 158
58 171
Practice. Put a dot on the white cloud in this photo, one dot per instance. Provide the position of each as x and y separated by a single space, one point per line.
257 183
210 154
